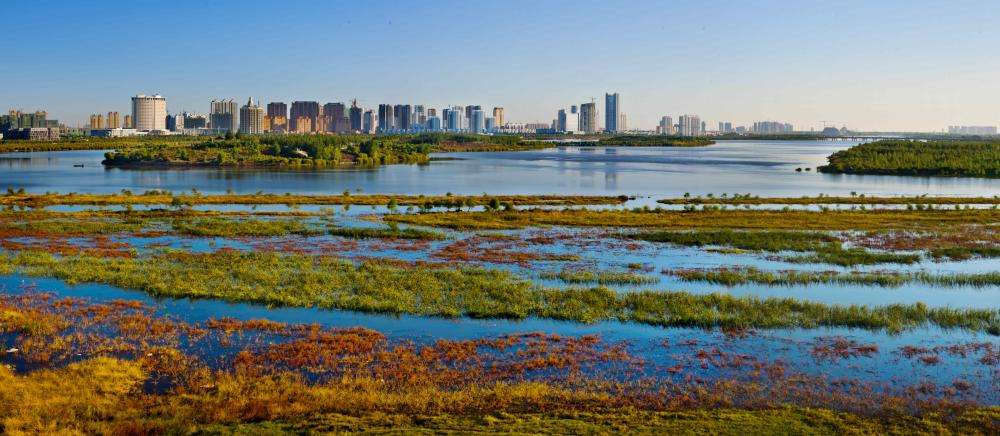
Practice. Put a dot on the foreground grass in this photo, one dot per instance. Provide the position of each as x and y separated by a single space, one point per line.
710 219
387 287
104 396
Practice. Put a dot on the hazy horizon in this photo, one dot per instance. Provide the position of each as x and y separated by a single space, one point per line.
891 66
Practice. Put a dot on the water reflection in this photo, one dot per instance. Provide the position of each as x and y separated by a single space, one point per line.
765 168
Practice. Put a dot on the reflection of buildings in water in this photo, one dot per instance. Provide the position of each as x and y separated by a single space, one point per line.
611 173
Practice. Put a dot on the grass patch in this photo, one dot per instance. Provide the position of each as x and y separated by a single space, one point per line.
740 276
385 233
773 240
221 227
601 277
919 158
300 280
710 219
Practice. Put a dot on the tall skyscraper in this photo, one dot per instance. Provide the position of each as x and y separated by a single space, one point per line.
304 109
251 118
404 117
666 126
588 117
149 112
689 125
612 112
277 108
97 121
567 121
385 117
277 117
455 121
369 122
498 116
128 124
478 122
334 114
113 120
223 116
355 116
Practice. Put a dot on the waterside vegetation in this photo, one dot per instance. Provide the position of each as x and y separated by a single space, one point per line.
391 287
919 158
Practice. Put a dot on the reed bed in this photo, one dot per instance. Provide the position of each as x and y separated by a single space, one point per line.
391 287
868 220
742 276
621 278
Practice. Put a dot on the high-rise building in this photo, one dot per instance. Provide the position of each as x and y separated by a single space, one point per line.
113 121
149 112
333 113
175 122
128 124
192 121
431 112
433 123
567 121
770 127
403 117
666 126
622 123
478 122
972 130
355 116
612 112
455 121
689 125
419 117
97 121
588 117
276 109
385 117
304 109
498 116
251 118
369 122
222 115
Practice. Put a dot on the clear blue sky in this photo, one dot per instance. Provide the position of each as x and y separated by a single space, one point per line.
868 64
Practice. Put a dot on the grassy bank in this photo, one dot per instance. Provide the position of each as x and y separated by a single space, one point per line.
300 280
13 198
858 199
919 158
709 219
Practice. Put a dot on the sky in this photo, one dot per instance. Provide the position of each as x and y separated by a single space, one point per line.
869 65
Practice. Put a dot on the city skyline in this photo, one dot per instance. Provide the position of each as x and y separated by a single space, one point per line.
916 66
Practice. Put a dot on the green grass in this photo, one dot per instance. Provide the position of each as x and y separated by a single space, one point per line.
740 276
825 248
917 158
964 253
773 240
836 255
601 277
387 233
799 220
213 226
301 280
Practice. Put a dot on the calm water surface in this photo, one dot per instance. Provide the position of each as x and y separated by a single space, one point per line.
765 168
